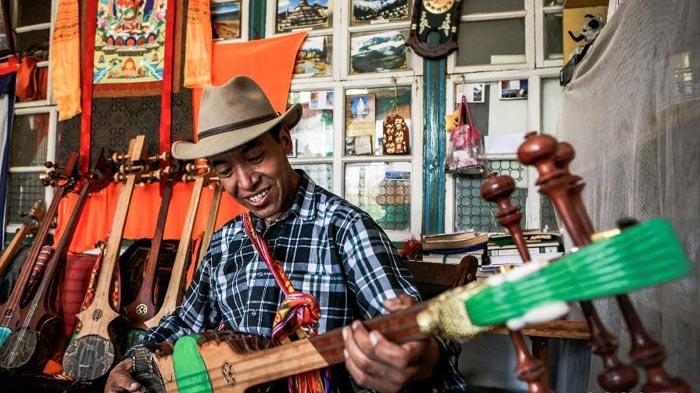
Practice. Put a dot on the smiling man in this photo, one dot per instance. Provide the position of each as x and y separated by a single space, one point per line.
330 250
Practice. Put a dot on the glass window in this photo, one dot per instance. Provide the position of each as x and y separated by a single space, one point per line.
553 44
303 15
551 103
378 52
313 136
321 174
383 190
491 42
315 57
29 134
225 19
23 190
483 6
372 12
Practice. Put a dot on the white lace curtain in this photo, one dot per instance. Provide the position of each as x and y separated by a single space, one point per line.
632 112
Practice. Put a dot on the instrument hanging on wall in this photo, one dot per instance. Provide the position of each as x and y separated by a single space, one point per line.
211 220
64 182
40 322
143 307
92 353
36 214
564 190
173 294
528 294
498 189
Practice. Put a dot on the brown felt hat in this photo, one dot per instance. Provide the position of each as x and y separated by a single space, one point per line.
231 115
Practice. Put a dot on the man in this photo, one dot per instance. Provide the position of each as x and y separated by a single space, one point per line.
327 247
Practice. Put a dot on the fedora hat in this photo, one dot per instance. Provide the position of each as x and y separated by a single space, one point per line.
231 115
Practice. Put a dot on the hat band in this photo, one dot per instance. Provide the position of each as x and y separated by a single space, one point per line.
237 125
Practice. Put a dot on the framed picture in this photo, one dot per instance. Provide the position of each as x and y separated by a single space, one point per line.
302 15
360 145
379 11
225 19
474 92
314 57
514 89
377 52
360 114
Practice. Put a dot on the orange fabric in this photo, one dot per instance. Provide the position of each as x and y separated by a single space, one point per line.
31 80
96 220
198 44
65 61
270 62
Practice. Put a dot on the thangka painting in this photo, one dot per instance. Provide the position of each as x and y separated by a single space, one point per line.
129 42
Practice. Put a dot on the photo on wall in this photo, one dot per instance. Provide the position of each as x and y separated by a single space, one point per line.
473 91
225 19
377 52
379 11
514 89
314 57
294 15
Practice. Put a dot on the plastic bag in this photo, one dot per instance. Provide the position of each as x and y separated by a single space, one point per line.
464 148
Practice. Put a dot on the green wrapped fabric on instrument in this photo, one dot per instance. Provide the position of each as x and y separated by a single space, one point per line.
642 256
190 369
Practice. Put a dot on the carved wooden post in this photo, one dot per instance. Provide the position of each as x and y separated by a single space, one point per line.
498 189
557 184
645 352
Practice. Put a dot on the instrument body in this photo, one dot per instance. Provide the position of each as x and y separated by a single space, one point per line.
41 321
37 214
92 353
10 312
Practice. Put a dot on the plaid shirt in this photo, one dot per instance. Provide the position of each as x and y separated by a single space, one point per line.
328 248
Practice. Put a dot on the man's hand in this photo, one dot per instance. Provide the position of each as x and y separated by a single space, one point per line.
120 379
377 363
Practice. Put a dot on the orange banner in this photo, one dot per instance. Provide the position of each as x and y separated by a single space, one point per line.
65 59
198 44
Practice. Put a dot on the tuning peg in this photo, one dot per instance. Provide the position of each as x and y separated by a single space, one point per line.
151 176
119 177
164 156
188 177
117 157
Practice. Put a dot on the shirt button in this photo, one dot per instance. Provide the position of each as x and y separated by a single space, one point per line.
253 313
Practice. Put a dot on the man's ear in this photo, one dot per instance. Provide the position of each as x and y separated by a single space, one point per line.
286 139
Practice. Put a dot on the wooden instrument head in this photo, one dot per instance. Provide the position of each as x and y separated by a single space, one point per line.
539 150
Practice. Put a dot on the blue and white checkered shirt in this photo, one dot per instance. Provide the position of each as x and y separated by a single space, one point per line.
328 248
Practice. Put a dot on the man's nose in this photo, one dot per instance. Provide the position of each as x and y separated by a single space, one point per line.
246 179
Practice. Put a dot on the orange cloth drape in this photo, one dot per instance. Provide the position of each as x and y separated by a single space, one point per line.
198 44
98 213
269 62
65 59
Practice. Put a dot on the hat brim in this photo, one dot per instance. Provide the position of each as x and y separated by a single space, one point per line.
227 140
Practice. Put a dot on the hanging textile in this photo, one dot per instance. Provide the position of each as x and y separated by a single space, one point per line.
65 62
270 62
8 78
198 44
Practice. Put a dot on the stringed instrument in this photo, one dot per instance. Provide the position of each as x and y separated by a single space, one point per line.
143 307
528 294
64 181
36 214
92 353
211 220
31 340
173 294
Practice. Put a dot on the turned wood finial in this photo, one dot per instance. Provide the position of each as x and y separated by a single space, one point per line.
538 150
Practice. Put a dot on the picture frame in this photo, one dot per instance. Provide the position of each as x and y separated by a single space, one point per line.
474 92
379 11
314 58
360 114
225 19
360 145
514 89
378 52
298 15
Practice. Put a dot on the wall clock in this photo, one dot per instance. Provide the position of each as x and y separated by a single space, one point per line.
434 27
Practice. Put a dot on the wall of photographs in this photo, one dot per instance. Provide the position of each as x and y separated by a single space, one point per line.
507 66
360 89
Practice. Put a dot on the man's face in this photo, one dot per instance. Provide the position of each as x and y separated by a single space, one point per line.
258 174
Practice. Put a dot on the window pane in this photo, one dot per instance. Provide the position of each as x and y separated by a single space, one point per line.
479 101
383 190
314 133
492 42
502 111
547 3
28 145
479 6
551 103
225 19
315 57
473 212
33 12
553 44
378 52
301 15
366 111
547 215
34 43
322 174
23 190
370 12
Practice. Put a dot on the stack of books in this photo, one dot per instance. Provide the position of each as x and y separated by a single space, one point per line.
452 247
501 250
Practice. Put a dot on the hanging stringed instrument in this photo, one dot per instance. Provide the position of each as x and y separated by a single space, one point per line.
92 353
143 307
552 159
64 181
173 294
211 220
32 339
528 294
36 214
